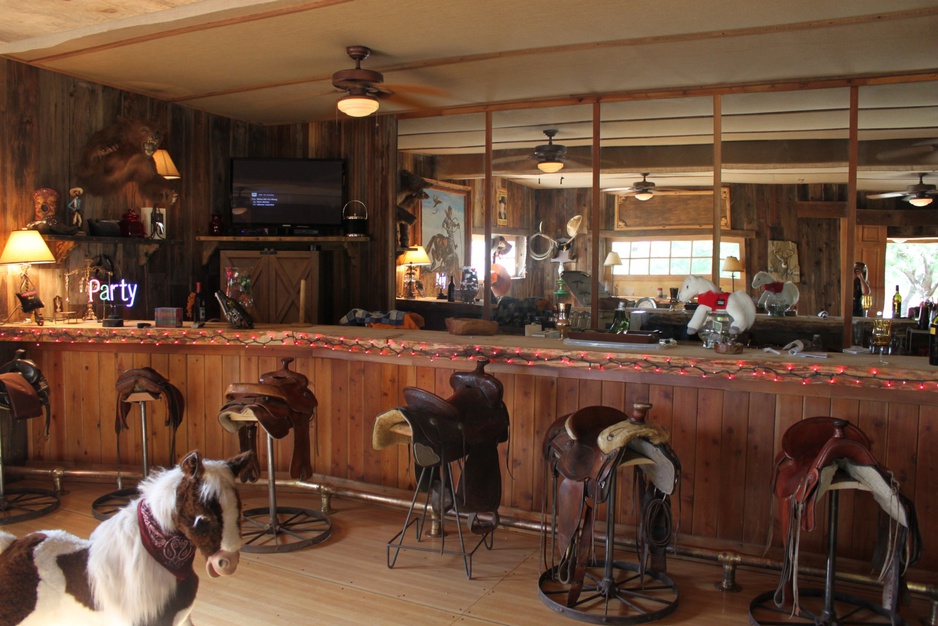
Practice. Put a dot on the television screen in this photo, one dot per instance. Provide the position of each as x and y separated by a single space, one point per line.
281 196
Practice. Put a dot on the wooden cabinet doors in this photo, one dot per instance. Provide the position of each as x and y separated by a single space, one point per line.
277 281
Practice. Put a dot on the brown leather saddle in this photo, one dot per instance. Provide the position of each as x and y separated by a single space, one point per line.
280 401
148 380
817 452
468 425
583 450
24 391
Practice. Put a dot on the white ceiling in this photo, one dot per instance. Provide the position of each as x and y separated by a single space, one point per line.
271 62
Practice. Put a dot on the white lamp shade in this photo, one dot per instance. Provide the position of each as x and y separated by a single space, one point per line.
26 246
549 167
732 264
165 166
415 256
358 106
612 258
920 201
644 195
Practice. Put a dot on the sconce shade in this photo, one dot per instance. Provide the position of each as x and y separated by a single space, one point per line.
358 105
165 166
26 246
549 167
414 256
920 200
732 264
612 258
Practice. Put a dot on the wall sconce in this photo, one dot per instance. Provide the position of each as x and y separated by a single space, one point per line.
165 166
731 264
26 247
612 259
413 256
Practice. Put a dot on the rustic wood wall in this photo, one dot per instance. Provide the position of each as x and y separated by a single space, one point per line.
725 432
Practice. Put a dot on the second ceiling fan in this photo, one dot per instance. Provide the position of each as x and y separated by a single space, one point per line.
642 190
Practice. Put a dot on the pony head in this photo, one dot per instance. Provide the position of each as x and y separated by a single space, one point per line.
694 285
762 278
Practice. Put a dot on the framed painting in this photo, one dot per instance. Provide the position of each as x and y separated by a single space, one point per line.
444 231
501 207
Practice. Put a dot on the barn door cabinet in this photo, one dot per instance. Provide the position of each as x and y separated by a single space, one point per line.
277 278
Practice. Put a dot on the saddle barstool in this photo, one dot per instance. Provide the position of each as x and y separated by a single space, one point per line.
584 452
24 393
139 387
459 433
280 402
826 455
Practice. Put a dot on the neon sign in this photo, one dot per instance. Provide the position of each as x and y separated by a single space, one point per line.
117 293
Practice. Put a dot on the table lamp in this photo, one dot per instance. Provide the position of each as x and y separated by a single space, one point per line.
612 259
26 247
731 264
413 256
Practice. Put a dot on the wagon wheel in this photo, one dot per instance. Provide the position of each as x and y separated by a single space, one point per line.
21 504
290 528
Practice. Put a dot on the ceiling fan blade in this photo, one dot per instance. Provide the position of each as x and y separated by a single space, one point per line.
891 194
920 149
423 90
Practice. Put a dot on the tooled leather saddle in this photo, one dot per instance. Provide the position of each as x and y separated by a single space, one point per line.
583 450
148 380
814 453
468 425
24 391
281 401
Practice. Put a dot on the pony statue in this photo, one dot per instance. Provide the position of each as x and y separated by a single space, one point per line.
787 291
738 305
136 569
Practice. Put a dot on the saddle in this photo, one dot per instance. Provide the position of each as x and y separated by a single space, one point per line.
468 425
24 391
814 453
280 401
148 380
583 450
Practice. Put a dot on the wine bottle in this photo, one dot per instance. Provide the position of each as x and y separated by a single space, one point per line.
199 314
620 320
451 290
933 342
897 304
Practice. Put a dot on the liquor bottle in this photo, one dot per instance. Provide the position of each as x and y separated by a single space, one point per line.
199 314
451 290
897 304
933 342
620 320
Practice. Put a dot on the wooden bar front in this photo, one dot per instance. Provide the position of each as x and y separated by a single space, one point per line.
726 414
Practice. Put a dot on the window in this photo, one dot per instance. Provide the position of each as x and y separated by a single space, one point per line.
913 265
512 260
671 257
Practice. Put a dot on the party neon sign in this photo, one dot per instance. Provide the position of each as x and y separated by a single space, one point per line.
116 293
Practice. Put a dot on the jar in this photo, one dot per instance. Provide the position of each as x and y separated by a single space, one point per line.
716 329
776 304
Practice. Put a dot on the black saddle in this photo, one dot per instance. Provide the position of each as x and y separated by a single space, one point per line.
24 391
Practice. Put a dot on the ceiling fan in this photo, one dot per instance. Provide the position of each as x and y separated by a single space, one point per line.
925 151
641 190
550 155
920 194
365 87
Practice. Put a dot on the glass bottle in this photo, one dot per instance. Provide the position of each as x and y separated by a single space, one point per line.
897 304
620 320
199 314
451 290
933 342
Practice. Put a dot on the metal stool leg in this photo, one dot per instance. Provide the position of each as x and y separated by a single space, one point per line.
110 503
18 504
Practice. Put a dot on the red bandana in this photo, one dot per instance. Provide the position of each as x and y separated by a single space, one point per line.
773 287
173 551
714 299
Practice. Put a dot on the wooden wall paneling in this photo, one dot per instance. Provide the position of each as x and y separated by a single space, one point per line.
849 508
733 447
213 390
820 265
372 405
525 448
707 479
507 454
73 415
230 372
871 249
925 496
357 388
683 441
545 413
89 441
339 418
408 375
873 420
760 450
902 428
389 391
322 387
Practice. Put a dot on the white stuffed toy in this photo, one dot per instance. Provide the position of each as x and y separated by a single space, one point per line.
737 305
787 290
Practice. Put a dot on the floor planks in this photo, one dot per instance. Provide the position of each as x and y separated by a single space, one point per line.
346 581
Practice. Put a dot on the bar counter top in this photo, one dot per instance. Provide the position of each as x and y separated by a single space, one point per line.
684 358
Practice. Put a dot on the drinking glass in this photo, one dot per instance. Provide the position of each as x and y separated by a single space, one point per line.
882 336
866 303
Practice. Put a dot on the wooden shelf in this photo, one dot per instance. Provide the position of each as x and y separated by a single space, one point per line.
64 244
211 243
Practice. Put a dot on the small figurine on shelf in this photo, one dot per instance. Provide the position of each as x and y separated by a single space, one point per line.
74 207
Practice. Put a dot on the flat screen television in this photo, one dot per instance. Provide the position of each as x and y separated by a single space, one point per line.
283 196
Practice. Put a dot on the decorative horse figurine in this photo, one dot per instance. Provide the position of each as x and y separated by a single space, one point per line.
738 305
136 569
787 290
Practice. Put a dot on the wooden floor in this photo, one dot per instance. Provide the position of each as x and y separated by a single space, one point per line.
346 580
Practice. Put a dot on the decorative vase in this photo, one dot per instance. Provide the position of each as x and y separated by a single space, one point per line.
716 329
776 305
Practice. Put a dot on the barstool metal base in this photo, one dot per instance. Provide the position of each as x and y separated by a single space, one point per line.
110 503
18 504
846 608
288 529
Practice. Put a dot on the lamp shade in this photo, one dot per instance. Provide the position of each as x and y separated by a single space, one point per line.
920 200
415 256
732 264
612 258
549 167
644 195
165 166
358 105
26 246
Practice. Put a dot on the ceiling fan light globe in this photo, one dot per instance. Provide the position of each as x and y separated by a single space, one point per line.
644 196
358 106
921 201
549 167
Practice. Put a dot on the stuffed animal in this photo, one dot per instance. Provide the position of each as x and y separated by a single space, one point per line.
787 291
738 305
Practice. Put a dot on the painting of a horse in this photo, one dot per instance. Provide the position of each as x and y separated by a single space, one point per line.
136 568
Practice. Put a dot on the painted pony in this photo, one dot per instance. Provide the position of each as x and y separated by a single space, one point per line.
788 290
738 305
136 569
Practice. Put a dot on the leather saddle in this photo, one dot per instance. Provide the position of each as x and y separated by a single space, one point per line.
148 380
468 425
24 391
816 452
583 450
280 401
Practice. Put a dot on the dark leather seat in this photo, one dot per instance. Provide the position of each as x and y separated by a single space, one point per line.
23 388
147 380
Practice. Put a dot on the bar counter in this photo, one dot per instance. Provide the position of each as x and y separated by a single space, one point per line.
726 413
